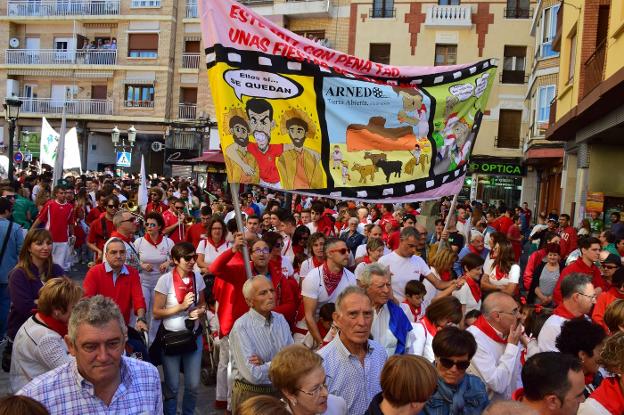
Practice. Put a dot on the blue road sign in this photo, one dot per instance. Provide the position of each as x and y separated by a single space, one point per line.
124 158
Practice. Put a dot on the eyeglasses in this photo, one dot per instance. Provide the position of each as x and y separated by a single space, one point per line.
179 207
341 251
189 258
591 297
316 391
449 363
131 220
513 312
9 196
151 225
261 251
113 206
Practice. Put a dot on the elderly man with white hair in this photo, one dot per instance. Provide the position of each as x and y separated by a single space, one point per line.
257 336
391 326
476 246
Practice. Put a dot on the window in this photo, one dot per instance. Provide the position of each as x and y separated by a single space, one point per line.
382 8
379 52
514 65
572 57
143 45
517 9
136 4
140 96
445 55
448 2
509 122
549 31
545 96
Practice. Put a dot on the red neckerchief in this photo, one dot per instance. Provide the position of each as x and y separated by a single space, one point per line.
429 326
562 311
366 260
461 220
473 250
610 395
475 289
211 242
331 279
180 288
148 238
446 275
52 323
518 395
483 325
322 330
415 311
298 249
115 234
499 275
316 262
589 379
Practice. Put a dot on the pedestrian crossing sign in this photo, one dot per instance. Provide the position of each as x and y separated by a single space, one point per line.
124 158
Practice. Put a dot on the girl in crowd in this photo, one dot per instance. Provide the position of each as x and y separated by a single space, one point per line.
317 256
469 295
506 273
374 251
439 314
210 248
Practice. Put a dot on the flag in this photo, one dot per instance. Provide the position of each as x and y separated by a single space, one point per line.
57 173
71 159
295 115
142 194
48 144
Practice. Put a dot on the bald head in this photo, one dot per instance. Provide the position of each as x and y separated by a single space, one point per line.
497 301
509 408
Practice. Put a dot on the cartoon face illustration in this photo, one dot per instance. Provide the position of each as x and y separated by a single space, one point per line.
461 131
260 114
239 130
411 102
297 130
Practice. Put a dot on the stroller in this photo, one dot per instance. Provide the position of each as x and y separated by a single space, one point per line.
210 353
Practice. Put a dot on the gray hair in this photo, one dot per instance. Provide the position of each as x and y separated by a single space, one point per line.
95 311
119 218
409 232
350 290
373 269
112 241
574 283
248 289
475 234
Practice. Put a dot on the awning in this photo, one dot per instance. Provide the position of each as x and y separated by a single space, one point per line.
213 156
545 153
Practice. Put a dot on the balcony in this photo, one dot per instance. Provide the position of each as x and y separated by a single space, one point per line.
46 8
187 111
72 106
190 60
60 57
594 68
191 10
138 104
449 16
304 8
518 13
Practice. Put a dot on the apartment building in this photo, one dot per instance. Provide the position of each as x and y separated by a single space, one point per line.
541 187
588 108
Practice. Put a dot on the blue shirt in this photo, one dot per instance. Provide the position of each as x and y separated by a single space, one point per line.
13 248
347 377
108 268
457 269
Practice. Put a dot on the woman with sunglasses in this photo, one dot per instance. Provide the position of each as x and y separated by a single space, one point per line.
154 251
439 314
214 245
458 393
179 303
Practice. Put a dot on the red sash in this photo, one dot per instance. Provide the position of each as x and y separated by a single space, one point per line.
475 289
148 238
180 288
499 275
562 311
429 326
415 311
366 260
53 324
610 395
483 325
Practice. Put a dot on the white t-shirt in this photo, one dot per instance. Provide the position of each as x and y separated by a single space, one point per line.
305 268
361 251
423 342
512 277
210 252
404 270
464 295
165 286
359 270
488 265
313 286
287 267
154 255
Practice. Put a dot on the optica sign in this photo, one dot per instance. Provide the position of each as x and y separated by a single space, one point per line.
497 168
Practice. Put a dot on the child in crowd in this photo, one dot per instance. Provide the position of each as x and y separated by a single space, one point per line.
536 316
325 326
414 294
471 317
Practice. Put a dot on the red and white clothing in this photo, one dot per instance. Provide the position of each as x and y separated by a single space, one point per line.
308 265
568 240
361 251
552 328
404 270
266 162
603 301
179 233
469 295
57 217
155 207
211 250
607 399
496 362
196 233
287 248
499 278
100 231
168 286
424 332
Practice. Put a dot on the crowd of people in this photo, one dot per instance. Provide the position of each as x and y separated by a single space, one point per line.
343 308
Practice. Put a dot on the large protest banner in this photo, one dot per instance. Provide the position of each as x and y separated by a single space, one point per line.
295 115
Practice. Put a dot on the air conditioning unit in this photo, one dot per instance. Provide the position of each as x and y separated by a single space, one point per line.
12 87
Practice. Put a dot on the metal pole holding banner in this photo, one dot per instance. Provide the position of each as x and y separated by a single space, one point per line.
448 217
234 188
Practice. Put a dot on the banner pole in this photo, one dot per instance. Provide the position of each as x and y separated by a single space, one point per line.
448 216
234 188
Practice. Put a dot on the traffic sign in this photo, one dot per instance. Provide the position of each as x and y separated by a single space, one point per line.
18 157
124 158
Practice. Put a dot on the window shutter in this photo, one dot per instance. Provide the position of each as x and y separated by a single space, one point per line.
143 41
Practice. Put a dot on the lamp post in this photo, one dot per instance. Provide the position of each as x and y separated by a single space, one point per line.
121 146
11 112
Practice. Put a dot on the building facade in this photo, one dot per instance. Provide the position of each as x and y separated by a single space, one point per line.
589 108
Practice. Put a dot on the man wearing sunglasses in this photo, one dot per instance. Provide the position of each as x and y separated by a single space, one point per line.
125 229
102 227
612 270
155 204
174 220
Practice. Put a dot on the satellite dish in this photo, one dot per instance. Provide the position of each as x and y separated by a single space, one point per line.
14 42
157 146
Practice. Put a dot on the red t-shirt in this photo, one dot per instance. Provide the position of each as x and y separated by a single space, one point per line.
57 218
580 267
266 161
94 214
178 234
196 233
502 224
568 241
151 207
97 234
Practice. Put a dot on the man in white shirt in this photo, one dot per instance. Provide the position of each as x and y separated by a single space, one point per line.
497 332
463 224
578 298
391 325
287 230
405 266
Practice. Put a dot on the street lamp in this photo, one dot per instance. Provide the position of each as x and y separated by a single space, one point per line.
131 135
11 112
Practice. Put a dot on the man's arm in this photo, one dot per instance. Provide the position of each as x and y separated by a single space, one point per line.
242 350
138 301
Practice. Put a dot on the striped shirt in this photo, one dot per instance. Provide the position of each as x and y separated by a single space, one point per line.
64 391
251 335
347 377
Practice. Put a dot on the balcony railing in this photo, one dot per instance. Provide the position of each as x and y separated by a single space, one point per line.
594 68
518 13
191 9
139 104
449 16
62 7
187 111
72 106
190 60
60 57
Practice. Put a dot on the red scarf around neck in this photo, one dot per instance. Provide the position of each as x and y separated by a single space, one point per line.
446 275
429 326
211 242
316 262
52 323
180 288
499 275
331 279
610 395
562 311
158 240
483 325
415 311
115 234
473 250
366 260
475 289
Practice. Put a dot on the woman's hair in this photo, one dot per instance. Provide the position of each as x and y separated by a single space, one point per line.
19 404
415 287
443 260
263 405
552 248
290 365
182 249
612 355
444 308
58 294
406 379
312 240
452 341
373 244
580 335
614 316
505 257
25 261
217 219
300 233
535 320
156 217
272 238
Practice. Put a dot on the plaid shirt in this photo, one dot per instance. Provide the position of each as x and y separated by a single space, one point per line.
64 391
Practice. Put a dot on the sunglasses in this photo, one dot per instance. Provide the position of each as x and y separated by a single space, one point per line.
9 197
113 206
189 258
605 266
449 363
179 207
341 251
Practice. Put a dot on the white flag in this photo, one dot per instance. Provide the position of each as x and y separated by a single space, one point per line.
142 195
57 172
49 144
72 151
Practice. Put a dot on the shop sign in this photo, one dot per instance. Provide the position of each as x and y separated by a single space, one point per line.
594 202
496 168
